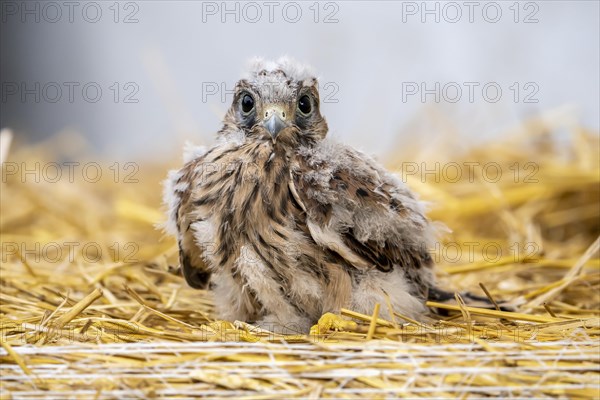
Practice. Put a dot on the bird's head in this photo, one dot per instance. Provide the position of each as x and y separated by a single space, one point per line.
277 101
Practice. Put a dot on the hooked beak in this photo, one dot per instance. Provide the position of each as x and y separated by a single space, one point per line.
274 122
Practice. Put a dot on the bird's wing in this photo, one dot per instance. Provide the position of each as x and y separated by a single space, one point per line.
357 209
182 216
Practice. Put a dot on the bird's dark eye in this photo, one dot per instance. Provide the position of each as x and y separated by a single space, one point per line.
247 103
304 105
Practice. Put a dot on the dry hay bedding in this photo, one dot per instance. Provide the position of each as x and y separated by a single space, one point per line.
117 321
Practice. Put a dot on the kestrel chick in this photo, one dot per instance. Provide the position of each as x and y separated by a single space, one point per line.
284 224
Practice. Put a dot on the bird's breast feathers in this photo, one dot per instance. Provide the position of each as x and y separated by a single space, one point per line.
338 197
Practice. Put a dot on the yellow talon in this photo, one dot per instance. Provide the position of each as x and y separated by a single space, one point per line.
330 321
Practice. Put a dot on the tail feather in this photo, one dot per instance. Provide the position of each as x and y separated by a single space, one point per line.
195 275
472 300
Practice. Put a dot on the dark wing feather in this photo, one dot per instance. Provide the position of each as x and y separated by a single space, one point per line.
183 214
357 209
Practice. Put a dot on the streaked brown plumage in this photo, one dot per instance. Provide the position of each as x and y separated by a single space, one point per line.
287 225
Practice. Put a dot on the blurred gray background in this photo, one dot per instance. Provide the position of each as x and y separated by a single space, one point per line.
138 78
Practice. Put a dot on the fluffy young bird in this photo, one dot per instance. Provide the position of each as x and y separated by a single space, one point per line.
285 224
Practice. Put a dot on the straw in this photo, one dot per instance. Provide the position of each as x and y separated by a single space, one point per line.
117 320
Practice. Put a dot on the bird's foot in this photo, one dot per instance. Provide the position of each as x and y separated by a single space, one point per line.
330 321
